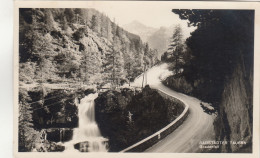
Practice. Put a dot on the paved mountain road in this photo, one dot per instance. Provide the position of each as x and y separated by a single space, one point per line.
197 127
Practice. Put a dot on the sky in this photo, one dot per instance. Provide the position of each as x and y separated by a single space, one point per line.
149 13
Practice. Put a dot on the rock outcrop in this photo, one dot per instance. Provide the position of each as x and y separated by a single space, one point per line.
234 122
127 117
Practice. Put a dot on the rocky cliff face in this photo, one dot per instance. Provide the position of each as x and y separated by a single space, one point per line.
54 108
127 117
234 122
111 117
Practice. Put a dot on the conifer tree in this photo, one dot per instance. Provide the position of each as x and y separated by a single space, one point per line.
119 72
176 49
129 65
49 20
91 66
70 15
109 30
95 24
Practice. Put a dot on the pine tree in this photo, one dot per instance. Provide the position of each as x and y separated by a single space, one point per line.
138 57
109 30
103 30
118 31
70 16
129 65
176 49
119 72
139 63
49 20
147 53
78 13
64 24
114 64
95 24
108 66
91 66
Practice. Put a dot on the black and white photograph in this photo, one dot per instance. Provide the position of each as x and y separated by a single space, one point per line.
134 77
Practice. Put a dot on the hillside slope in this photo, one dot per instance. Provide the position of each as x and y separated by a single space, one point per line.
61 45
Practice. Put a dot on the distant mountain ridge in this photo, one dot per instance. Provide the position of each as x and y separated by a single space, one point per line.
157 38
160 39
140 29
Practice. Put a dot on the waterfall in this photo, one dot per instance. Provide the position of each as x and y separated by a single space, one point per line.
87 137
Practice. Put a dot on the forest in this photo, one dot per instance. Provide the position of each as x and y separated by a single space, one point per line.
78 45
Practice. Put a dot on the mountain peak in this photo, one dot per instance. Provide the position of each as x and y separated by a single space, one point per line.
136 25
136 22
140 29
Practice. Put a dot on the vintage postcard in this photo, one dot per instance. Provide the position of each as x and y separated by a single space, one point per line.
136 79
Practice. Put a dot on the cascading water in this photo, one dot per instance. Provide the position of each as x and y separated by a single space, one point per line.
87 136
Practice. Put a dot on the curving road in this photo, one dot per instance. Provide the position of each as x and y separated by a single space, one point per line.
197 127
